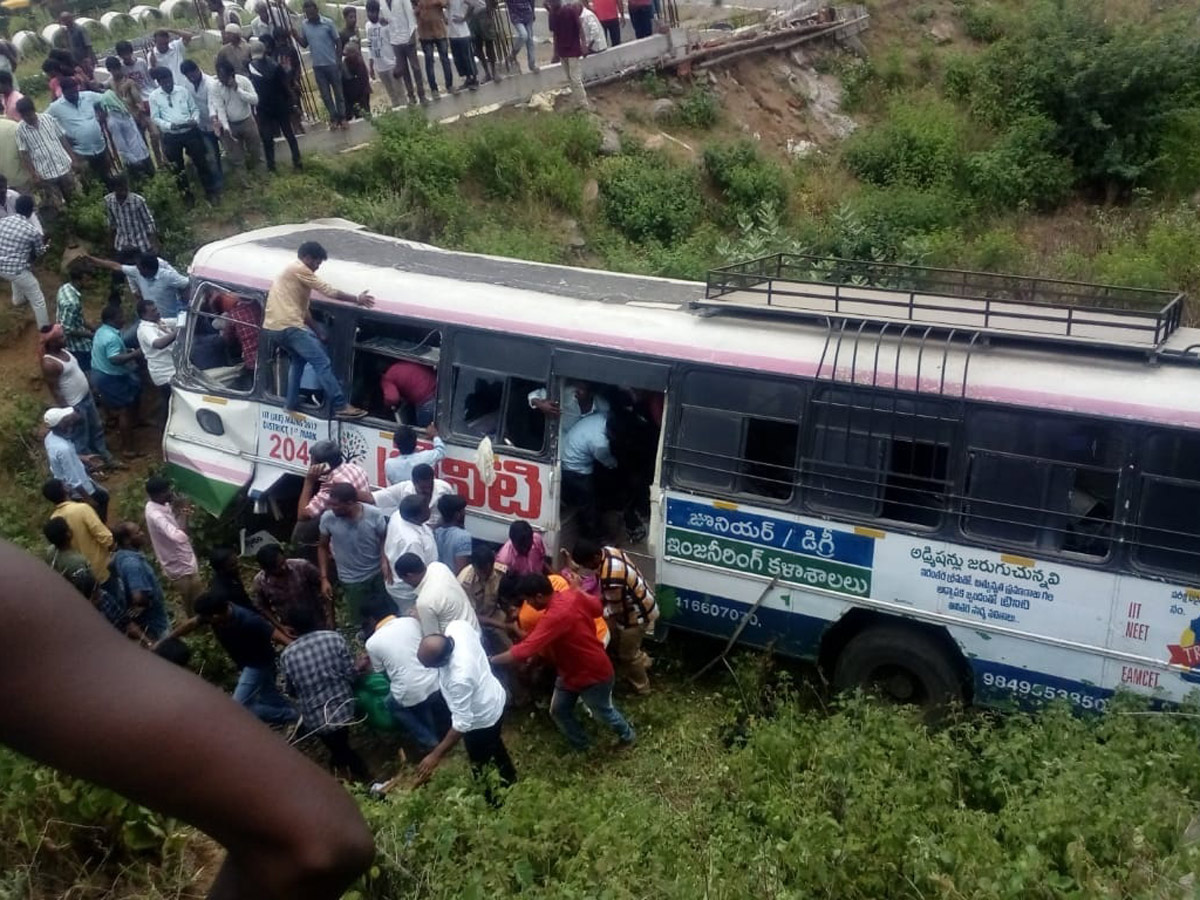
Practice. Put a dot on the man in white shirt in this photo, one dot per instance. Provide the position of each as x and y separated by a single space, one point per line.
174 113
169 47
408 533
400 467
381 59
9 198
231 107
440 598
476 700
157 342
422 485
415 701
402 32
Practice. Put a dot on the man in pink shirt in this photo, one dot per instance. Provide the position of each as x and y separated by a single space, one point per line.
524 553
413 385
172 546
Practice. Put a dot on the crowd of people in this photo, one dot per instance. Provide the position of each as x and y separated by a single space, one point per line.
451 630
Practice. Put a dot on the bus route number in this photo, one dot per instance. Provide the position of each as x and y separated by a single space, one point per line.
288 449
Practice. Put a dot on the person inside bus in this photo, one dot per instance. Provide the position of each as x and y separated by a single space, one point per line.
287 315
400 467
584 447
579 399
410 391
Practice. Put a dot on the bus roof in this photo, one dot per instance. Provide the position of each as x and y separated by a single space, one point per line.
652 317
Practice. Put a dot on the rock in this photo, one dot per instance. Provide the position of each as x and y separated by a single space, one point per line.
800 149
941 32
712 77
655 142
573 235
542 102
591 190
610 141
662 109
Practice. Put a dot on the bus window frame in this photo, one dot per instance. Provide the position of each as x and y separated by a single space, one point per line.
187 375
367 317
1142 475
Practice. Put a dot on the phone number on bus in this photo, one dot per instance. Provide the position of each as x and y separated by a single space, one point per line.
1040 691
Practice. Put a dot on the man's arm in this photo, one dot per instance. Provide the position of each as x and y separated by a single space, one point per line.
98 530
183 629
28 164
165 341
51 372
323 557
289 829
306 492
321 286
245 89
217 116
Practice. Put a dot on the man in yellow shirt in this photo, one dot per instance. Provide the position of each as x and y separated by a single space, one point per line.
89 535
287 315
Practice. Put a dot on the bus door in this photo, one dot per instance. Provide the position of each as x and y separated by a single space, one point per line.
616 504
212 435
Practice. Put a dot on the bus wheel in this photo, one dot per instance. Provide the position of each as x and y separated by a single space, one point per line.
903 665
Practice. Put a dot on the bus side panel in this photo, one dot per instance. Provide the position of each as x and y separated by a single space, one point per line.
283 444
209 467
522 488
1158 620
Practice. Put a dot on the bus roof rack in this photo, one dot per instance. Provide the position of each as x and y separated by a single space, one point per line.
996 306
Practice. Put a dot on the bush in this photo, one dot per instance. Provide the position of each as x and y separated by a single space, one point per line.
647 198
510 162
420 160
920 144
1020 169
892 225
700 110
745 180
982 22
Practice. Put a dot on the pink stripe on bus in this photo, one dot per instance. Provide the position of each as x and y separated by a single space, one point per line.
204 467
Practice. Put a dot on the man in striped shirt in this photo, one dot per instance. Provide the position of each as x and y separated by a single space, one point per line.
46 153
629 607
130 222
20 242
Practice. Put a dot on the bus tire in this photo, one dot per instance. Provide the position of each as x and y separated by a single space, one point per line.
904 665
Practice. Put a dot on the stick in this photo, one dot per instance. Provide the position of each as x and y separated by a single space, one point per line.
737 632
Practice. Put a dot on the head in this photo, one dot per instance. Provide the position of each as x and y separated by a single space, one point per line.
54 337
350 16
483 560
6 83
435 651
414 509
159 489
422 479
453 510
232 34
61 419
302 620
54 491
584 393
223 560
70 89
163 78
27 111
405 440
173 650
311 12
212 610
372 11
124 52
271 559
162 43
116 69
258 49
225 73
312 254
58 533
508 593
24 205
129 536
521 535
66 19
147 265
113 315
120 187
410 569
147 311
587 554
327 452
51 68
343 500
352 51
535 590
375 610
269 42
191 72
260 9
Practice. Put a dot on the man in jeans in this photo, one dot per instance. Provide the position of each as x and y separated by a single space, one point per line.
402 32
247 637
566 636
318 34
20 242
288 317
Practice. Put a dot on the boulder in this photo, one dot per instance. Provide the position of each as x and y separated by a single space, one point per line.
662 109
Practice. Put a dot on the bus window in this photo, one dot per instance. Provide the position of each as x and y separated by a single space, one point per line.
1168 534
223 337
496 406
1049 484
879 456
738 435
394 376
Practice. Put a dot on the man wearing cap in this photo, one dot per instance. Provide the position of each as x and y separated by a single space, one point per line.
235 51
65 462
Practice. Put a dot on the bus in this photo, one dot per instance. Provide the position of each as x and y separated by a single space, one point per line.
937 484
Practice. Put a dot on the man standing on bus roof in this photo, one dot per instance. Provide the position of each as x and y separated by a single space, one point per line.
288 314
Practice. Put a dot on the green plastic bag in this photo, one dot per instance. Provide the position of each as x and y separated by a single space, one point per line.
371 693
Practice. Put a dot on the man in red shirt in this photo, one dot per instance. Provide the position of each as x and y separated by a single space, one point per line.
566 636
569 44
413 385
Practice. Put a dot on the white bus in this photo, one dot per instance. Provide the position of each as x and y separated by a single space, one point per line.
935 483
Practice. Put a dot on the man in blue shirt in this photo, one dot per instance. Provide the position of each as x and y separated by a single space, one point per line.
65 462
114 372
174 112
144 601
319 35
153 279
587 443
80 115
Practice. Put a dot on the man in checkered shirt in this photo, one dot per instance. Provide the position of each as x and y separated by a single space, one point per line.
20 242
130 222
318 673
326 468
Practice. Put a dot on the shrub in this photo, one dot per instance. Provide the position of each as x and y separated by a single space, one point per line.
511 162
1020 169
419 158
890 225
745 180
647 198
700 110
982 22
920 144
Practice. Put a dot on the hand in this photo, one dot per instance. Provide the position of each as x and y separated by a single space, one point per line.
327 589
431 430
547 407
315 471
365 300
426 767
